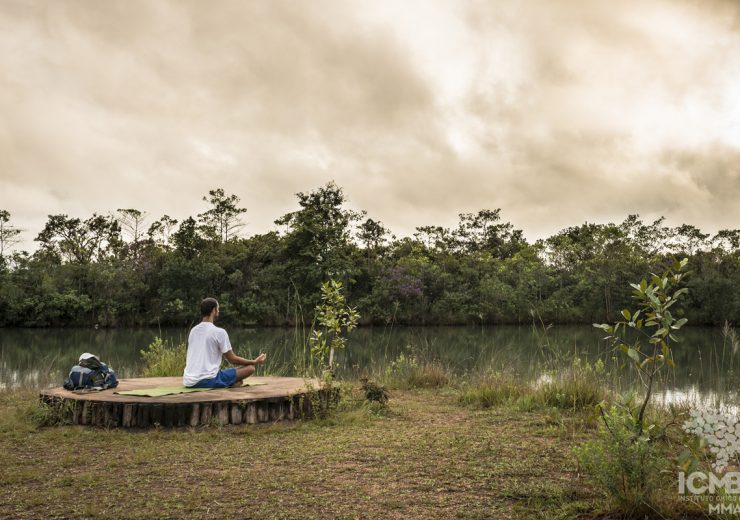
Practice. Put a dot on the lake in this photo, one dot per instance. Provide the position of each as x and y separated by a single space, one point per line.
707 365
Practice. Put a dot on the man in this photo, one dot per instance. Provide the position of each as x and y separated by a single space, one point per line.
206 344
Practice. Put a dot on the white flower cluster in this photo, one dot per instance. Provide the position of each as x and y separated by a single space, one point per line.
721 432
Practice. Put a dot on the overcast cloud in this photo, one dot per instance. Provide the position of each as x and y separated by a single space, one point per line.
558 112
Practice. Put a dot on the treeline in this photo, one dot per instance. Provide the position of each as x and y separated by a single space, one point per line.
127 269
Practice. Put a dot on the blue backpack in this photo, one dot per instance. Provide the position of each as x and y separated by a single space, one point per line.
90 374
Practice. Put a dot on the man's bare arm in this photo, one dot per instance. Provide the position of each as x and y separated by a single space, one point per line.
236 360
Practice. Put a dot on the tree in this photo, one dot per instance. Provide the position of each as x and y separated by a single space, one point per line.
335 318
654 323
221 222
318 238
649 241
161 230
435 238
688 240
372 234
187 240
131 222
73 240
9 234
727 240
483 231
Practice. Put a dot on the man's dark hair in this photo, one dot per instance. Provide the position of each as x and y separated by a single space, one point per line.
207 306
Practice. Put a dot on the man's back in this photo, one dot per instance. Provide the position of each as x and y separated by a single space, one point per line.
206 344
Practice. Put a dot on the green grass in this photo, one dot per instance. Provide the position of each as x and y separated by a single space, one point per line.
570 392
494 389
408 371
575 389
427 375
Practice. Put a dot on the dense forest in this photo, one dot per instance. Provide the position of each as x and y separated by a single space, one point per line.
128 269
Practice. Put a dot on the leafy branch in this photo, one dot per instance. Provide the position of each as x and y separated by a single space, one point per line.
654 324
335 318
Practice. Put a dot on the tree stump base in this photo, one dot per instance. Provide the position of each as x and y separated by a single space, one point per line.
279 399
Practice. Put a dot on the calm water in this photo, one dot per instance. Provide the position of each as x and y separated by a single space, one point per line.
707 367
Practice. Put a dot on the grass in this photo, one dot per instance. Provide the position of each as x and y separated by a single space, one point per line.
408 371
420 456
576 389
486 445
494 389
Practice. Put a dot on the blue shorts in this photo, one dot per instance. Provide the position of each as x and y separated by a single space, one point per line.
224 379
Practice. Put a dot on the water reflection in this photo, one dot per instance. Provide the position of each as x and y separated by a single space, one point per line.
706 367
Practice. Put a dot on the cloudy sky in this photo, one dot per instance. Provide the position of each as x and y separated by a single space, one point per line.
557 112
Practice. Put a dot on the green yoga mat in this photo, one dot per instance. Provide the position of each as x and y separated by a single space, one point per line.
170 390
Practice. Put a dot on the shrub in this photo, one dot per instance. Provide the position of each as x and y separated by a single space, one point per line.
626 467
162 359
625 459
373 391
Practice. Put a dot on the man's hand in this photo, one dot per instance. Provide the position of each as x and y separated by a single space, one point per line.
260 359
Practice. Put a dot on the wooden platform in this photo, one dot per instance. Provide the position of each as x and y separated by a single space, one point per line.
279 399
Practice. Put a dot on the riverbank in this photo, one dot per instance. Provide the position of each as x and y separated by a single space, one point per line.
425 455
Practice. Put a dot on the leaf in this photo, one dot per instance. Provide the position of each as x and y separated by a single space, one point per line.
643 285
633 355
680 323
627 315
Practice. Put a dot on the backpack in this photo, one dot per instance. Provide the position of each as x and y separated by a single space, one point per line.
90 374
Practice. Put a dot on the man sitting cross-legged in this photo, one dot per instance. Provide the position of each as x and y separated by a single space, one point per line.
206 344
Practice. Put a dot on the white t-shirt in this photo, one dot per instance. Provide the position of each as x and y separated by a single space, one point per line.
206 344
